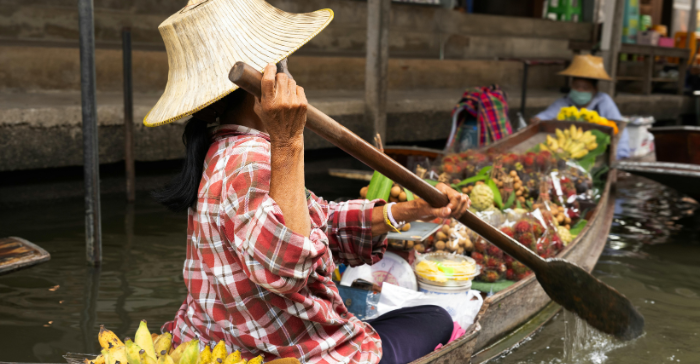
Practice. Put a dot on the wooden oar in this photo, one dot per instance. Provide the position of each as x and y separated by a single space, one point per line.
570 286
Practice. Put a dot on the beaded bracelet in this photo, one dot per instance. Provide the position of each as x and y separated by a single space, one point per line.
391 217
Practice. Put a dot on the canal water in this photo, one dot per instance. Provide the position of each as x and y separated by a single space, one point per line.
652 256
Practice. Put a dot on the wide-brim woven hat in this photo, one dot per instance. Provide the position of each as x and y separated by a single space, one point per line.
586 66
207 37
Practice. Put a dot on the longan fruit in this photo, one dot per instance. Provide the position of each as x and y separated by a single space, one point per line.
409 244
462 241
560 218
452 245
460 251
440 245
465 189
500 184
402 196
517 185
393 199
363 192
446 229
395 191
567 220
568 227
441 235
406 227
513 173
453 223
521 199
479 182
468 246
519 193
419 248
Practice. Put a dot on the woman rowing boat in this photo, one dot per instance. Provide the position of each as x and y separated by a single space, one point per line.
261 248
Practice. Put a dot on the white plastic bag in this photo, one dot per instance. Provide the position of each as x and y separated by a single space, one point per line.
462 307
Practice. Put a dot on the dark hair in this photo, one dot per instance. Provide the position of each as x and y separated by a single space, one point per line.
181 192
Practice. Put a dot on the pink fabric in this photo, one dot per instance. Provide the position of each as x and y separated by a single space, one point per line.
457 332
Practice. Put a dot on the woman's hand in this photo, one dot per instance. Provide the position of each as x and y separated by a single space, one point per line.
459 203
282 108
419 209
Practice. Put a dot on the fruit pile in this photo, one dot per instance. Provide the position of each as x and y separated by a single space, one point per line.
451 237
571 143
572 113
147 348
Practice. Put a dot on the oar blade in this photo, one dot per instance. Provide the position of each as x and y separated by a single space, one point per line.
600 305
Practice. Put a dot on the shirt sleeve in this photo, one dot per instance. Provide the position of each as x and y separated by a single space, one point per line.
273 256
608 109
348 226
552 111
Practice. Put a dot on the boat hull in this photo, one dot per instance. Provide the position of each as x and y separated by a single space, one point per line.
684 178
677 144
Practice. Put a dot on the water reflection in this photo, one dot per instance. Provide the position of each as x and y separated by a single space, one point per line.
653 258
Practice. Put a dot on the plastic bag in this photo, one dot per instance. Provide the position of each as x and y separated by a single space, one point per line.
462 307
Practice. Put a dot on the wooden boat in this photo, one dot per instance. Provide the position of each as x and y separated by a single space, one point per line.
684 178
677 144
512 315
17 253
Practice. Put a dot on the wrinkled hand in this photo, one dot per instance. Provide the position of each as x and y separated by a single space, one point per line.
282 107
459 203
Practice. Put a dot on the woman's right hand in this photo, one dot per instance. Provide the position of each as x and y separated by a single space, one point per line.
282 108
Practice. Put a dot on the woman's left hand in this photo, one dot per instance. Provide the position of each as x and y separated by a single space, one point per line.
459 203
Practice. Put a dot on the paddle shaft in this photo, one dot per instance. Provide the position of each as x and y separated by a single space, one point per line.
249 79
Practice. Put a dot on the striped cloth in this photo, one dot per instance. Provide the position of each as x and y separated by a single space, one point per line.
259 286
489 106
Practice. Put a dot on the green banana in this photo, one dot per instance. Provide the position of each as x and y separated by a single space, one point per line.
191 353
177 353
132 352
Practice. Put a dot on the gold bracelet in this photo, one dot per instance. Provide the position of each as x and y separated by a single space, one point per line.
387 221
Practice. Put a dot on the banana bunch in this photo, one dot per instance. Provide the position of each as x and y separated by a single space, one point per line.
571 142
147 348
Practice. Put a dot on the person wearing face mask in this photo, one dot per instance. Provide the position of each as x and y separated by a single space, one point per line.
586 71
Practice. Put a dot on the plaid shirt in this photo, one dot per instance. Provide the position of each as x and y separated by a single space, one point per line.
257 285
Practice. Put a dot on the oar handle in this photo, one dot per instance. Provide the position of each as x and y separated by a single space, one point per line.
249 79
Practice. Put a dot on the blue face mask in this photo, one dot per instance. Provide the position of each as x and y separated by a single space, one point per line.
580 98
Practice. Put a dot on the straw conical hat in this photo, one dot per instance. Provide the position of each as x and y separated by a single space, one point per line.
207 37
586 66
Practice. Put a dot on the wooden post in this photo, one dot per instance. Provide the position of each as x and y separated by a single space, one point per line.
692 22
377 64
612 41
91 156
128 117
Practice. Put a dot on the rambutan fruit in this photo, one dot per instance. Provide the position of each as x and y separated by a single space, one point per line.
508 231
510 275
522 226
494 251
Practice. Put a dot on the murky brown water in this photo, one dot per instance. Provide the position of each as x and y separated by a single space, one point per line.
653 257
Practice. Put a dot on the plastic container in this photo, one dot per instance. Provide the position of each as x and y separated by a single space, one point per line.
445 270
433 289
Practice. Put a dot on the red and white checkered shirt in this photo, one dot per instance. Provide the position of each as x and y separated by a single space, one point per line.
257 285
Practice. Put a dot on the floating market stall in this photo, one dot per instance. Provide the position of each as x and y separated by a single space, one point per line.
524 185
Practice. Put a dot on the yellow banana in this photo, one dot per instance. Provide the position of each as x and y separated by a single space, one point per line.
219 352
205 356
573 133
552 143
191 353
559 133
579 154
543 147
177 353
233 358
99 360
163 342
257 360
108 339
145 358
144 340
165 358
117 354
591 146
105 354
